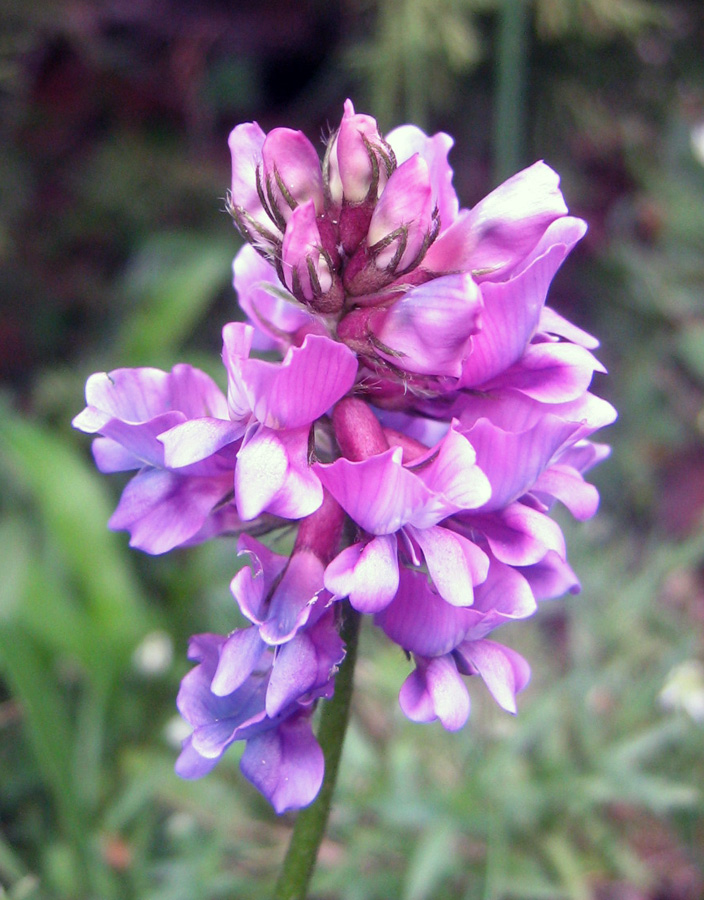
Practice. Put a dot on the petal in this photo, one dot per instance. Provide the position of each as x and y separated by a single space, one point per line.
430 326
378 493
551 322
303 387
567 485
407 140
273 475
198 440
239 656
504 671
304 663
512 462
190 764
269 307
504 596
518 535
286 764
194 393
450 471
301 249
351 173
551 373
293 598
454 563
289 157
236 344
162 510
511 315
246 142
510 221
111 457
406 203
436 691
366 573
141 441
131 395
420 621
251 585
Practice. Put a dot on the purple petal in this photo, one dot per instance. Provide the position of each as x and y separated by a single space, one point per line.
436 691
190 764
197 440
512 411
239 656
504 596
305 385
504 671
508 223
407 203
551 577
551 373
195 394
518 535
293 598
141 441
236 344
251 585
131 395
111 457
450 471
408 140
162 510
430 326
567 485
286 764
366 573
246 142
273 475
301 248
420 621
513 462
378 493
350 174
454 563
510 317
304 663
288 155
268 306
551 322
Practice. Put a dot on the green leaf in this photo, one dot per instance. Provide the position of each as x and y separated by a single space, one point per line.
74 508
431 860
48 725
174 278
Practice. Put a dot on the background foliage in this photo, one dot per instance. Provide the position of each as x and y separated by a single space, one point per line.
115 251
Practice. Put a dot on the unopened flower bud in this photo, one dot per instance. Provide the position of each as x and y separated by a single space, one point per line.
358 163
402 227
307 268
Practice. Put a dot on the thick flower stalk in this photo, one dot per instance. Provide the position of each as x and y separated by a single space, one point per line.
427 411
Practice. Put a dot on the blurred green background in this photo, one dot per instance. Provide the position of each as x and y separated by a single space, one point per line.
115 250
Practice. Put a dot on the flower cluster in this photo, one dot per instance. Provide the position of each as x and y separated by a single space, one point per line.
427 412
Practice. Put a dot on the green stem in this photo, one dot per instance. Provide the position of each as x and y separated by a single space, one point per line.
510 88
310 825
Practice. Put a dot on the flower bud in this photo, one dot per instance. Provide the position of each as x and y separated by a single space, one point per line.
307 268
358 163
402 227
271 175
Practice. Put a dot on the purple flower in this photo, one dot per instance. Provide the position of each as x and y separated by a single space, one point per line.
427 411
242 690
161 507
